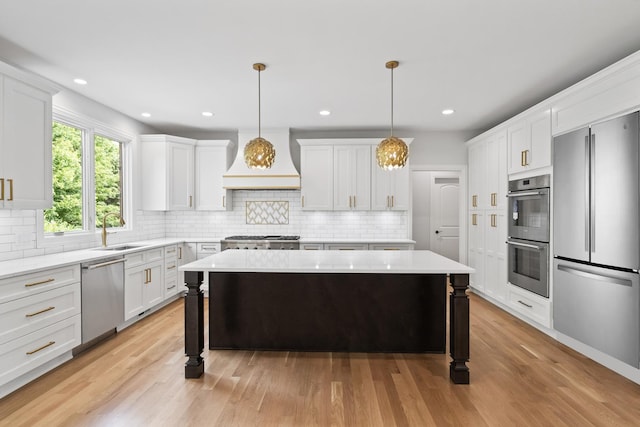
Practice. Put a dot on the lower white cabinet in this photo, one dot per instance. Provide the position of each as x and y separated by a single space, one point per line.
346 246
495 257
204 250
311 246
186 254
530 305
39 323
390 247
143 281
170 271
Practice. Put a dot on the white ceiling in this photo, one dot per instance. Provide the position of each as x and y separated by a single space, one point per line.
487 59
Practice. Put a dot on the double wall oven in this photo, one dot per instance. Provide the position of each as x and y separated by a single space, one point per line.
528 242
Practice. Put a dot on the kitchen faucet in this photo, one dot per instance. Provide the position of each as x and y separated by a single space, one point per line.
104 226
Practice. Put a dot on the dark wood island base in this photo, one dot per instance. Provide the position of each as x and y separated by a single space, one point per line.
358 312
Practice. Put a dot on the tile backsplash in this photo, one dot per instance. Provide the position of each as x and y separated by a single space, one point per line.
18 228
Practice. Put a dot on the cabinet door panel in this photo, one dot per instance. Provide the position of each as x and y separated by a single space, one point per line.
26 140
154 290
134 280
211 164
316 163
181 177
362 183
343 177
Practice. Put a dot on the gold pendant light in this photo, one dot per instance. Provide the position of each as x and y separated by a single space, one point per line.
259 153
392 152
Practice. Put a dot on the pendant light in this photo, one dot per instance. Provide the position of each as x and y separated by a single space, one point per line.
392 152
259 153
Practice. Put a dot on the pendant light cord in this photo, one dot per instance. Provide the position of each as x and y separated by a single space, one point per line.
259 103
392 102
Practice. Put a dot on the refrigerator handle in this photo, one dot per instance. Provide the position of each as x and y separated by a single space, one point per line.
593 192
594 276
587 185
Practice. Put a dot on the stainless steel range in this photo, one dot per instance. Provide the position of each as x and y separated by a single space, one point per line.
261 242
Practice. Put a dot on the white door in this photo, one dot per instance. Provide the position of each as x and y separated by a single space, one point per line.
445 227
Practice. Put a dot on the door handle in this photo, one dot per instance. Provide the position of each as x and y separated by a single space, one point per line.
10 181
437 231
524 245
594 276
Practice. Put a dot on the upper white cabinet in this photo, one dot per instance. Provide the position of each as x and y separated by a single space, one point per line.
316 177
25 143
212 161
167 172
529 142
477 154
352 177
495 194
389 189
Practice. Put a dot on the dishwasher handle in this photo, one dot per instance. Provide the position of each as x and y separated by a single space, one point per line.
103 264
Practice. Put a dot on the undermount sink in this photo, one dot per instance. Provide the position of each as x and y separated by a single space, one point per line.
118 248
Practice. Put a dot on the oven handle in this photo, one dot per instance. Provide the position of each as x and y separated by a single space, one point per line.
524 193
524 245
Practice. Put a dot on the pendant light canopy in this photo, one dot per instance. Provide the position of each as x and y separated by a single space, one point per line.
392 153
259 153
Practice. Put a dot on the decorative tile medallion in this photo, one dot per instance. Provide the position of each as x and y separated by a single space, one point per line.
261 212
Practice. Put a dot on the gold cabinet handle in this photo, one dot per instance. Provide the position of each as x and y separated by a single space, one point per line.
388 202
44 310
49 344
190 201
224 202
393 203
349 201
146 276
493 220
42 282
10 181
354 201
150 278
303 201
1 188
179 252
474 219
526 157
474 201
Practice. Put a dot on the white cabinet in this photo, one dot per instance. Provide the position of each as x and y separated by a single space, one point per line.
488 181
204 250
352 177
311 246
316 177
529 142
167 172
389 188
186 254
390 247
25 145
170 271
143 281
476 256
346 246
39 323
495 255
212 161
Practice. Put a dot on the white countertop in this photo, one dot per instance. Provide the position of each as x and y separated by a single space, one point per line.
385 262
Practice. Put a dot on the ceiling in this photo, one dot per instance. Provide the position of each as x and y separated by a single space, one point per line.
486 59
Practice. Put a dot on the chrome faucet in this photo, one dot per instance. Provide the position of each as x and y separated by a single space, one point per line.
104 226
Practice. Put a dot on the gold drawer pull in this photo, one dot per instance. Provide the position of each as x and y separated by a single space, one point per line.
44 310
1 188
49 344
10 181
28 285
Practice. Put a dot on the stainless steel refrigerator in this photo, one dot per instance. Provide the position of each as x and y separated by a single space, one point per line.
596 238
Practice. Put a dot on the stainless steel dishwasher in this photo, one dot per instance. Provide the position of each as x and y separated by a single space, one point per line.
102 297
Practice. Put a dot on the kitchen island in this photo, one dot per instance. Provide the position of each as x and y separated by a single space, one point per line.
355 301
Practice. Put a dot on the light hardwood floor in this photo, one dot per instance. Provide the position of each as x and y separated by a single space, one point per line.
519 377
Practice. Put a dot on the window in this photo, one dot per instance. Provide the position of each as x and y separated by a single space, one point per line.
88 178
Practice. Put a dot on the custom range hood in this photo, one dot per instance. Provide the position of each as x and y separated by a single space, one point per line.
282 175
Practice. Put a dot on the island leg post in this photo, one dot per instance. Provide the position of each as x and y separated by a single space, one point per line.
459 329
193 325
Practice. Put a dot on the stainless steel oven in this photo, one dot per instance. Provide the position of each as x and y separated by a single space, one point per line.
529 265
529 208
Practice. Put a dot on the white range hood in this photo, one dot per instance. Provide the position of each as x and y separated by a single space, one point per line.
282 174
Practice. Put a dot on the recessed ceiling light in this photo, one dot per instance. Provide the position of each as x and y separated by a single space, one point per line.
146 114
207 113
448 111
325 112
80 81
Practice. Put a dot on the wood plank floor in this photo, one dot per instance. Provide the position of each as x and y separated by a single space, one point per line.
519 377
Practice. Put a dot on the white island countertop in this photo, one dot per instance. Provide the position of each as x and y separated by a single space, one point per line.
386 262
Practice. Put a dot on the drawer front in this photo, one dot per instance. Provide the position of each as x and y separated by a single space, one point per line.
171 286
400 247
171 266
311 246
154 255
530 306
134 260
23 354
26 315
346 246
171 252
206 249
34 283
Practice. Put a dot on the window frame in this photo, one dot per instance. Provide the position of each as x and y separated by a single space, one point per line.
91 234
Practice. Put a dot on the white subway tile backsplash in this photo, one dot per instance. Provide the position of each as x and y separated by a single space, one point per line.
18 227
